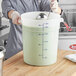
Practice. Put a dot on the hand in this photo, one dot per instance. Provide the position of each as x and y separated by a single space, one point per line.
16 18
54 7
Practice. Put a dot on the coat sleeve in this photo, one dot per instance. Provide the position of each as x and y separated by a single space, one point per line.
45 5
6 7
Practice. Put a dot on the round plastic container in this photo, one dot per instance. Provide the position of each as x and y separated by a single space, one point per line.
40 38
1 60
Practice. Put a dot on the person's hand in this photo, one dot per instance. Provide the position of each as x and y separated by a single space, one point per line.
16 18
54 7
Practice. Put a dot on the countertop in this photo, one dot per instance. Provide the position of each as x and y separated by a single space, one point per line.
15 66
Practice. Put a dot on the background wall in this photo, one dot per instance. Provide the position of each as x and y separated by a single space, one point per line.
67 1
67 4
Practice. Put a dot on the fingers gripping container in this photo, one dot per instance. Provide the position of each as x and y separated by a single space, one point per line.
40 38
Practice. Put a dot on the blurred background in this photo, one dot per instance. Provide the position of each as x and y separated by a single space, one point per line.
68 38
4 28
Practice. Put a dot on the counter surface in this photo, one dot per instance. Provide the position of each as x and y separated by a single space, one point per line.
15 66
